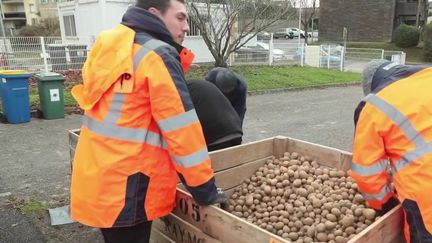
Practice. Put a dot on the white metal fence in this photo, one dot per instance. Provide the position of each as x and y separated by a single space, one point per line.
44 53
56 54
265 52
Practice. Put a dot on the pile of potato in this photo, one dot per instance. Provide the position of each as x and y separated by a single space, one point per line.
301 201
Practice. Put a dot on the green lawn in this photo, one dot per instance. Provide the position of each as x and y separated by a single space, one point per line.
259 78
279 77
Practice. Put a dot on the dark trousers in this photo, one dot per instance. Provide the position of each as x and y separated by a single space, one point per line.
139 233
227 144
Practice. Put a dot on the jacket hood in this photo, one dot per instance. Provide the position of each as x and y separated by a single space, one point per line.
110 59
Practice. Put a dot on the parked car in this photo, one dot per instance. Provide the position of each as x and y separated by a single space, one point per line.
283 33
263 35
260 53
297 31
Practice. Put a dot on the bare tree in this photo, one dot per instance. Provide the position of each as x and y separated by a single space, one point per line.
309 11
218 22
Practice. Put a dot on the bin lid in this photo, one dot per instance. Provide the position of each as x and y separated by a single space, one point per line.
14 74
49 76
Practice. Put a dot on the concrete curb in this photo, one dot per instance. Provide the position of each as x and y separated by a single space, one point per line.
323 86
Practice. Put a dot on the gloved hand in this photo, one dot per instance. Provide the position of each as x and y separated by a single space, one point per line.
221 199
389 205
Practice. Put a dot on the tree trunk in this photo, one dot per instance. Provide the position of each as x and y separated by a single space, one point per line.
219 62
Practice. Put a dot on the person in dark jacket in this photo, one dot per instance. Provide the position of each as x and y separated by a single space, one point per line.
220 123
232 86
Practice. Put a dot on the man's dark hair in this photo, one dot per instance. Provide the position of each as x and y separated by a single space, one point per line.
161 5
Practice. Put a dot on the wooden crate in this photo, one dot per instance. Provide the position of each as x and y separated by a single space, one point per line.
190 222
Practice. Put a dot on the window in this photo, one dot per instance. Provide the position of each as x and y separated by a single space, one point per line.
69 24
32 8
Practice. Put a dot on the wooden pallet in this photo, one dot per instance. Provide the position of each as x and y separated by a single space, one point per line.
191 223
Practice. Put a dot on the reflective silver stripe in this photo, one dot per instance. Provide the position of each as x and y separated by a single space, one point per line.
380 196
404 124
411 157
147 47
176 122
193 159
115 109
365 170
111 130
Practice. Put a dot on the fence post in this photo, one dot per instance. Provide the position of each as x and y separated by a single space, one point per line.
328 57
403 58
270 61
44 54
302 54
382 54
342 58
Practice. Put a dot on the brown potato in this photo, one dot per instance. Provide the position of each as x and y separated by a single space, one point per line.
369 213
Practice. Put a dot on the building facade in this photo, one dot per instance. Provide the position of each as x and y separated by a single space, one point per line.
18 13
367 20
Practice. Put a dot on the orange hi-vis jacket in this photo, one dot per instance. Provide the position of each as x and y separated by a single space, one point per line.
394 128
139 131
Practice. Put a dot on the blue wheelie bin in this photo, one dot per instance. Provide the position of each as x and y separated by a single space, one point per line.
14 93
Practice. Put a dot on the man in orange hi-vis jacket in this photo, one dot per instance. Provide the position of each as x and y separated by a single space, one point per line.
140 131
394 128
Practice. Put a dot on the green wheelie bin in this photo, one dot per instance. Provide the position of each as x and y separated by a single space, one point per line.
51 94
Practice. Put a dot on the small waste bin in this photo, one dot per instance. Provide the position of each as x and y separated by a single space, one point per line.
51 94
14 92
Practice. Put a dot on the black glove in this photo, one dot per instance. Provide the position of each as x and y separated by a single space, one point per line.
221 199
389 205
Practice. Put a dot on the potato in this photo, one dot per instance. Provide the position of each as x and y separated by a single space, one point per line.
307 240
350 230
302 192
340 239
311 231
348 220
316 203
293 236
322 237
336 212
278 225
297 183
331 217
330 225
249 200
338 232
320 227
358 198
369 213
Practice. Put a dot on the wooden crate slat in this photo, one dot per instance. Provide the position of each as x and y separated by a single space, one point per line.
158 237
181 231
232 177
226 158
327 156
220 224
